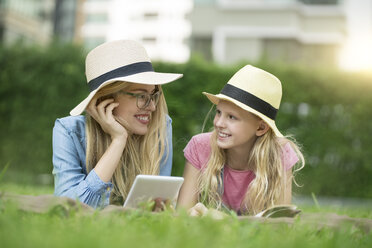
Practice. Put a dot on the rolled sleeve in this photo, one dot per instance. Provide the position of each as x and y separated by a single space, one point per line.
70 178
198 150
167 159
289 156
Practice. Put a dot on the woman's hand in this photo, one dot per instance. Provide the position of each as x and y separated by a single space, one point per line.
110 124
102 113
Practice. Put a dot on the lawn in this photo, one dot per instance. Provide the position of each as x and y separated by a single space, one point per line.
143 229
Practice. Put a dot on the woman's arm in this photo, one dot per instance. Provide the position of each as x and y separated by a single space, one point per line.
69 159
103 114
70 178
188 196
107 164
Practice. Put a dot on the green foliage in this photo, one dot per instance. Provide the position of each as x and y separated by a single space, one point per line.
328 112
73 227
37 86
56 228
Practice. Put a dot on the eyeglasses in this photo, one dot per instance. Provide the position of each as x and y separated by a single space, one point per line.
144 99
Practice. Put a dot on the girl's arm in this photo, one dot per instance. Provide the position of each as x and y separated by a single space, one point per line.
289 158
188 196
288 187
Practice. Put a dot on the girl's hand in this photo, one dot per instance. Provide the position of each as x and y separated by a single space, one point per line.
200 210
109 123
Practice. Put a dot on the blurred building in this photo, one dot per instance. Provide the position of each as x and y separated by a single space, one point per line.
160 25
287 30
68 20
39 21
318 32
27 20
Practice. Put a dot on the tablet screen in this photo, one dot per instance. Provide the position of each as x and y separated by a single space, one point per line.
147 187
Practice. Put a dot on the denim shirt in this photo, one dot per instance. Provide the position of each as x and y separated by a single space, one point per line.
69 168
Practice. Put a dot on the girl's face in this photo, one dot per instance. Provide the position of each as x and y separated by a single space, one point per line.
235 127
137 120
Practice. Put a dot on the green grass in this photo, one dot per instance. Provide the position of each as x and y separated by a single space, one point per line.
25 189
143 229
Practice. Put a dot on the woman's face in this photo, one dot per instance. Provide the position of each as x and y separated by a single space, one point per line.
235 127
136 120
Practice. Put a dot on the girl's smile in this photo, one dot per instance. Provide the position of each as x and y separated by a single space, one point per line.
222 135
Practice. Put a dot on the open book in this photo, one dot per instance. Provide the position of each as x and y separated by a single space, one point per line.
279 211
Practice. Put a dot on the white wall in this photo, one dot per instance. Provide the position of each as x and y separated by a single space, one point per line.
160 25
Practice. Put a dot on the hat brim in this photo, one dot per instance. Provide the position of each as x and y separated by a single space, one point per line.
216 98
148 78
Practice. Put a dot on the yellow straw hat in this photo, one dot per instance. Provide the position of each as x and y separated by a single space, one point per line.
253 90
121 60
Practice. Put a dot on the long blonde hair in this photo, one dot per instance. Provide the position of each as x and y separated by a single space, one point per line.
142 153
268 187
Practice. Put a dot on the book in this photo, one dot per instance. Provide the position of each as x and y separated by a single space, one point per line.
279 211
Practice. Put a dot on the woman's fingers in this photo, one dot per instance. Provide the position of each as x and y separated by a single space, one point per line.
109 109
103 114
103 111
102 107
92 108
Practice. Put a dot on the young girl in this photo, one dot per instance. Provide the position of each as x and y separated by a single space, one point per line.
245 164
125 132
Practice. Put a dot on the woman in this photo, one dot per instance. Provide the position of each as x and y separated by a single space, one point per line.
126 130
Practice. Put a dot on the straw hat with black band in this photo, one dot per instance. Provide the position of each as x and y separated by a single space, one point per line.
121 60
255 91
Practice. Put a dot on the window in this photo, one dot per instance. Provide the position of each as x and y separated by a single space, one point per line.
96 18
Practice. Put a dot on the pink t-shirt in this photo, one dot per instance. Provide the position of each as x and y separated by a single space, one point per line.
235 182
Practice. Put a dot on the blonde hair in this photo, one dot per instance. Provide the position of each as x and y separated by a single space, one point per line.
141 154
268 187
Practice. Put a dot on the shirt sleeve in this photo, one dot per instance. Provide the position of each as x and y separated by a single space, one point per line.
289 156
166 162
197 151
69 177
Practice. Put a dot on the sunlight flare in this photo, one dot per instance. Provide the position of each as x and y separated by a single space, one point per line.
356 54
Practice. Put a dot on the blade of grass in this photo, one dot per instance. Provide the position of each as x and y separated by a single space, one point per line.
4 170
315 200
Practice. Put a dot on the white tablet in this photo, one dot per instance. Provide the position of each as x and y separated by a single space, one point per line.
147 187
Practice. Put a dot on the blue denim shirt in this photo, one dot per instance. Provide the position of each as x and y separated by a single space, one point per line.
69 168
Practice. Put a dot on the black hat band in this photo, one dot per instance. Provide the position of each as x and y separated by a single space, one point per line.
123 71
250 100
